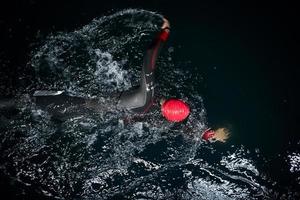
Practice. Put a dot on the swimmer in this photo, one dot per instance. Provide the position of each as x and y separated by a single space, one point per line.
139 101
60 103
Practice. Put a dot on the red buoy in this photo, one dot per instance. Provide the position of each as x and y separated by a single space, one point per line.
175 110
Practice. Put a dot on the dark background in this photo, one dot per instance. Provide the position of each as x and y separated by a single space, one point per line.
247 53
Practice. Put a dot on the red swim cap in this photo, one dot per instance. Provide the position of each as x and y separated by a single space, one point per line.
208 134
175 110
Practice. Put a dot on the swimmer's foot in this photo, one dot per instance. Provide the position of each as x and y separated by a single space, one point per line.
221 135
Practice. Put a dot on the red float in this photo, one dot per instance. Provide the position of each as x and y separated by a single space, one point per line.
175 110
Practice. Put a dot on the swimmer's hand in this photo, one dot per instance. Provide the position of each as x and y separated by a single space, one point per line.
166 24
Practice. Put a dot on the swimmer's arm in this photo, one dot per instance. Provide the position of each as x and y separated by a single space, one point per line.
63 104
154 48
141 99
162 35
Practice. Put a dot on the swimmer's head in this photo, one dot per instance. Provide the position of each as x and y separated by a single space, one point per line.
174 110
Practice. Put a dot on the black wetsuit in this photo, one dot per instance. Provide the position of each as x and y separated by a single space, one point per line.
139 100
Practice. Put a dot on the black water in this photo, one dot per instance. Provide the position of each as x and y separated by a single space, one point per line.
240 60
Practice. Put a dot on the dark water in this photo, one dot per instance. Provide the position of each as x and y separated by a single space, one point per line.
235 64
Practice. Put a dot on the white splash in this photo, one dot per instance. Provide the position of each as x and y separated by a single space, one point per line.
109 70
205 189
149 165
235 162
294 159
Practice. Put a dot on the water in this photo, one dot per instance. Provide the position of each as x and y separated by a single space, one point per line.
97 156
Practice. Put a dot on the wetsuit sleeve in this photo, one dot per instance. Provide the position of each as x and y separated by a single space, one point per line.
153 51
60 106
63 106
140 100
